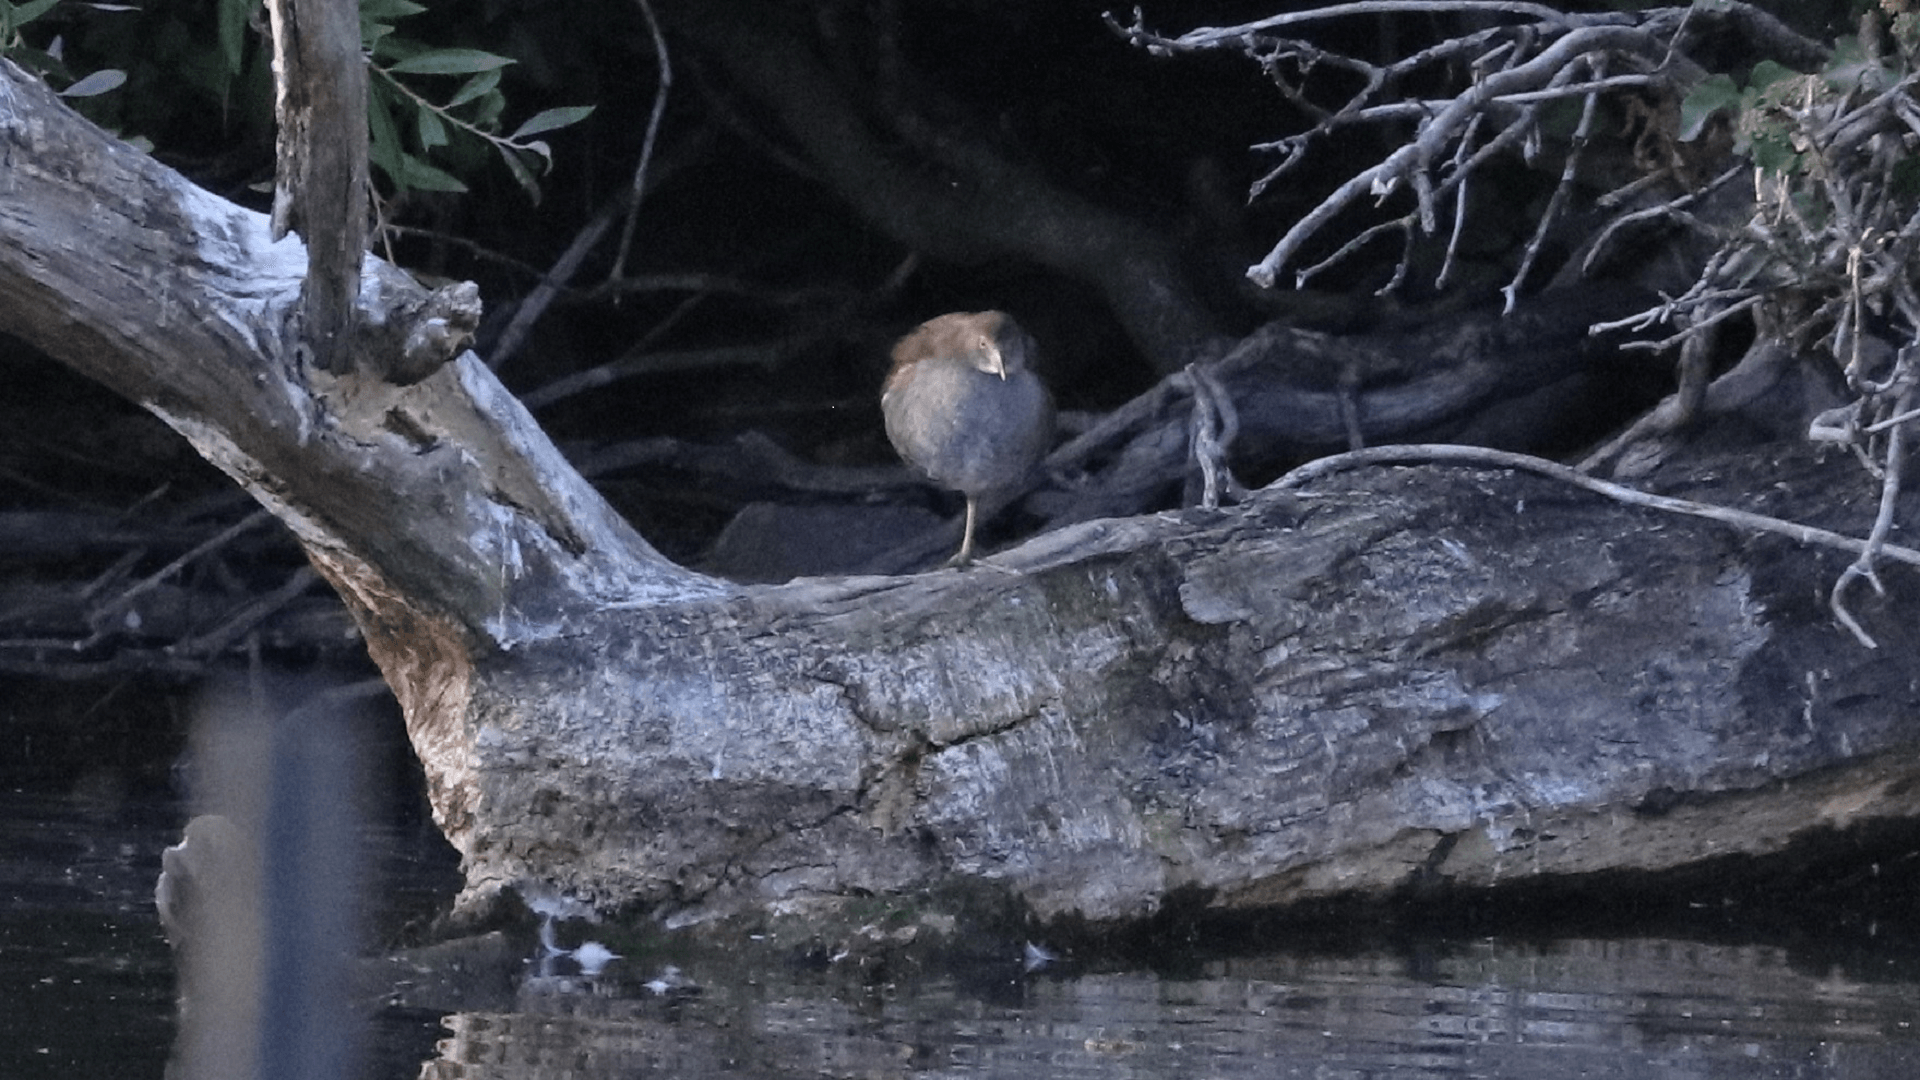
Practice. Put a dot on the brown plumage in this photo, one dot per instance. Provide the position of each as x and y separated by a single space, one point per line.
963 405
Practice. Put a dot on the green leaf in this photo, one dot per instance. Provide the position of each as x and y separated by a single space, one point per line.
97 83
449 62
388 10
383 141
232 18
43 64
1715 93
20 15
521 174
416 173
1853 68
1767 72
1775 153
389 47
549 119
203 68
432 132
385 152
486 111
474 87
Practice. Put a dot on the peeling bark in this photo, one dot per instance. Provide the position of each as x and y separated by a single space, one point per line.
320 188
1425 677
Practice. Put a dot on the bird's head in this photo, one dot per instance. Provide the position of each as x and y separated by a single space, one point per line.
1001 347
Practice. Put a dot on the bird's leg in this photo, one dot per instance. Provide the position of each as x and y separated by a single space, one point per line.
965 554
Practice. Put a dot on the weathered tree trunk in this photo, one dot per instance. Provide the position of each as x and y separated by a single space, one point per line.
320 190
1413 675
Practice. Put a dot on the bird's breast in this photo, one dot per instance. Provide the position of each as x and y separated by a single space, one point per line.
967 429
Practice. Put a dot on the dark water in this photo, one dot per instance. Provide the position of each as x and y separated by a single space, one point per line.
86 989
85 979
1627 1009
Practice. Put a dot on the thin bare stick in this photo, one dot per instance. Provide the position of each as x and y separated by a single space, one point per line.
646 145
1672 208
1504 459
1430 143
550 287
1597 86
1402 224
1211 431
635 364
1210 37
477 251
246 617
1891 470
212 543
1895 420
1460 194
1745 304
1569 172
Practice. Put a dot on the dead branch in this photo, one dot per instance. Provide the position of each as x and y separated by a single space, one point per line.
1479 455
1534 56
639 189
1824 261
320 187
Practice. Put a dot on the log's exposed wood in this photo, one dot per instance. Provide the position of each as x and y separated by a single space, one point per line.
1414 677
1401 677
439 504
123 270
320 186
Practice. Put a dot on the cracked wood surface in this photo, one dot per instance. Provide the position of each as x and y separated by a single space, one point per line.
1420 676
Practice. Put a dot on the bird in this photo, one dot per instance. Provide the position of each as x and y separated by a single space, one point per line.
962 405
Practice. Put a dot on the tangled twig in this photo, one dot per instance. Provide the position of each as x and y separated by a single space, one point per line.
1825 264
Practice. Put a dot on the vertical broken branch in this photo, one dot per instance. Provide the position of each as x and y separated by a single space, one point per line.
320 181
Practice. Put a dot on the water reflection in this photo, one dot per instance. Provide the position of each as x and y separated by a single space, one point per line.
1625 1008
86 989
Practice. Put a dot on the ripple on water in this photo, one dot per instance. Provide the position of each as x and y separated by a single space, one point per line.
87 984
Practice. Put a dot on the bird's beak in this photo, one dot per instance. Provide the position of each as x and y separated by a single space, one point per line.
1000 365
